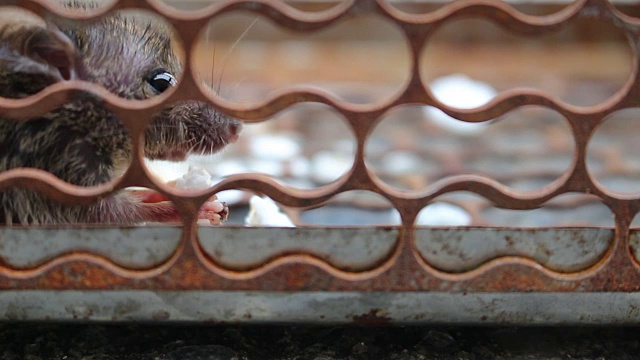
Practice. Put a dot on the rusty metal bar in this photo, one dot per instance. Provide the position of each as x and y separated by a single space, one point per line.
390 265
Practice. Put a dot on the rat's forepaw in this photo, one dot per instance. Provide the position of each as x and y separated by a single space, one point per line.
214 211
160 209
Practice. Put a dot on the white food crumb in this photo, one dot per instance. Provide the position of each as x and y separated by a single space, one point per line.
230 197
166 171
195 179
265 212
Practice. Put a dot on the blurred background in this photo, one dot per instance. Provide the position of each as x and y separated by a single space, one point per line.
245 59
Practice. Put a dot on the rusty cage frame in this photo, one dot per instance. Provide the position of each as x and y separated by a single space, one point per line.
300 286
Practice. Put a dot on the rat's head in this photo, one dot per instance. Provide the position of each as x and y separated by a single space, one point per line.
133 57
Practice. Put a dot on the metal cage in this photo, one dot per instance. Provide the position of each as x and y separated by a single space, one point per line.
384 274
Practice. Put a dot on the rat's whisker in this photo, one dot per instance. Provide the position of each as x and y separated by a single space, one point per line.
233 47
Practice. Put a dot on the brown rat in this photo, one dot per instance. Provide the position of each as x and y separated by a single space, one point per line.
82 142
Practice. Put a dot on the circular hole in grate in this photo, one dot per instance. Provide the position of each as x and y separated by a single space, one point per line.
634 238
245 58
525 149
338 240
564 235
305 146
443 214
612 153
29 248
585 63
627 8
459 250
425 7
569 210
199 5
351 208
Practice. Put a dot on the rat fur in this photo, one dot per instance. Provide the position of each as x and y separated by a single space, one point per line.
82 142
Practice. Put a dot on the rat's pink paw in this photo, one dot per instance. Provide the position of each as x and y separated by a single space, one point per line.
148 196
214 211
160 209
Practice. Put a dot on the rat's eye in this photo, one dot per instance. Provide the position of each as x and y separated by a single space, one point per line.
160 80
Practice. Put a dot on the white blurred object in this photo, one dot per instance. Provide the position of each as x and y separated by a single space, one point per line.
229 167
274 147
166 171
461 92
439 214
271 167
401 162
265 212
345 146
299 167
327 166
230 197
443 214
297 54
195 179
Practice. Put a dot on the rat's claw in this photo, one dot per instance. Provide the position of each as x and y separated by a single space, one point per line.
215 211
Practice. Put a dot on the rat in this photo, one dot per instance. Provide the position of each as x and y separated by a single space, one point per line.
82 142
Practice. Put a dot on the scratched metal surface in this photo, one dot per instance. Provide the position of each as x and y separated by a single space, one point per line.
402 258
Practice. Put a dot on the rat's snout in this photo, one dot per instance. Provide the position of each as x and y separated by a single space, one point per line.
235 128
190 127
228 128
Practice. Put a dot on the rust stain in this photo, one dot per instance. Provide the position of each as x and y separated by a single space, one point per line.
373 317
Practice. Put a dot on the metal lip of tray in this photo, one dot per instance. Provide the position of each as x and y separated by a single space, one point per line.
312 275
362 308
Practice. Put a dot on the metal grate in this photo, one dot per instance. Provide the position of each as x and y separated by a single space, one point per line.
393 260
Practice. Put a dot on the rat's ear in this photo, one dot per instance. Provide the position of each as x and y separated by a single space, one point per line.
54 48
